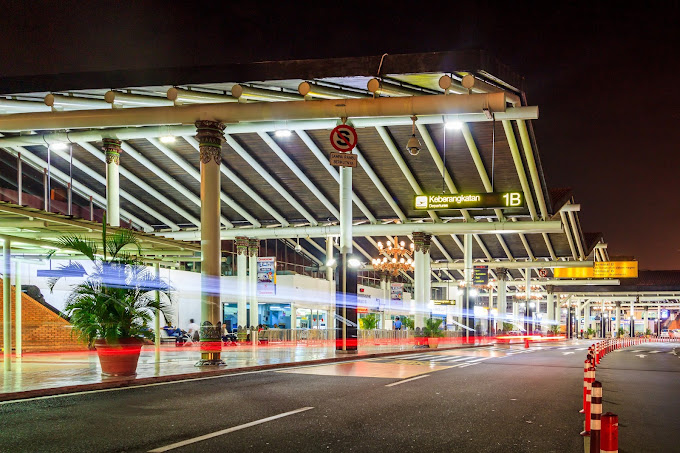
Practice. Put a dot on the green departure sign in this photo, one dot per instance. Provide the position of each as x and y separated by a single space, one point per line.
493 200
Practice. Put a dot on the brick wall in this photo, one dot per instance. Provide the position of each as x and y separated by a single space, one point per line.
42 329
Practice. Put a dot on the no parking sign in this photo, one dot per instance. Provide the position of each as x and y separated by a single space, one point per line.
344 138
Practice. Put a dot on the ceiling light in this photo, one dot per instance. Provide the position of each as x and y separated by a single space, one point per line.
473 292
59 146
454 124
353 262
168 139
330 262
282 133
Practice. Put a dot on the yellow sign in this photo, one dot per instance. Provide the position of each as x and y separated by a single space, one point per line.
615 269
601 269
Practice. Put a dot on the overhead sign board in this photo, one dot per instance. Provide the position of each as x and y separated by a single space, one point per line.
600 269
480 275
344 138
343 160
492 200
444 302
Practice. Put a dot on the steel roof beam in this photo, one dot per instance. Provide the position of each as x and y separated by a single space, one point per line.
245 155
299 174
129 150
196 174
401 229
324 161
567 232
142 184
123 193
84 190
230 113
519 166
226 171
517 265
130 133
403 167
575 230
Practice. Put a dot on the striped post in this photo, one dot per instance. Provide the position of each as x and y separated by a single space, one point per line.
586 366
595 417
609 437
591 378
597 353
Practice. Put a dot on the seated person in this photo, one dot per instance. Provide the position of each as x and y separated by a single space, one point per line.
172 331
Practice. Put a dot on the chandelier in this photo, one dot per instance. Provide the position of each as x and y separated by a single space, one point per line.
394 258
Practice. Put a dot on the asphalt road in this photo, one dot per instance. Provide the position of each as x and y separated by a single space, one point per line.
482 400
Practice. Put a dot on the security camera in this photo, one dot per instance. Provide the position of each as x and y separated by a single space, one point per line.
298 248
413 146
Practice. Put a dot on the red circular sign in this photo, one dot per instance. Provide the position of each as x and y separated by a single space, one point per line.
344 138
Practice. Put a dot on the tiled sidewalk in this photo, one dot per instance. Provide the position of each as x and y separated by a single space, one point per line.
53 373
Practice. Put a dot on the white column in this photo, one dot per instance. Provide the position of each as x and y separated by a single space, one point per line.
618 318
419 287
383 297
242 281
20 180
346 219
502 300
468 310
551 310
17 309
209 136
112 150
427 278
330 275
632 319
529 321
253 249
603 324
157 319
6 306
645 321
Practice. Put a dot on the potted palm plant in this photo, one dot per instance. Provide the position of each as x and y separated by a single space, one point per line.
432 332
112 307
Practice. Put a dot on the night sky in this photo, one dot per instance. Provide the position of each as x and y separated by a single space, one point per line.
604 76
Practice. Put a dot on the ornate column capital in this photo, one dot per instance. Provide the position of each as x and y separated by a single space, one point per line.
242 245
253 247
210 135
502 273
112 149
421 242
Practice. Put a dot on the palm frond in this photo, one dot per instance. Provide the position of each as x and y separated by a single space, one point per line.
73 267
123 237
79 244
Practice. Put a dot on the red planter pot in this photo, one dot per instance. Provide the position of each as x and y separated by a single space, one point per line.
119 359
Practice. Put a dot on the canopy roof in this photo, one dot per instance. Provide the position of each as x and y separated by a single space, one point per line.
271 181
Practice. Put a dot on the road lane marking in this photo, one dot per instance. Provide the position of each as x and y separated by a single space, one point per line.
227 431
567 353
642 356
407 380
654 352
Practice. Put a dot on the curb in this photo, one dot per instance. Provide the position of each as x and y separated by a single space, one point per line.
133 382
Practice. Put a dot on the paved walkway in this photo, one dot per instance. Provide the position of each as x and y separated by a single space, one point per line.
65 372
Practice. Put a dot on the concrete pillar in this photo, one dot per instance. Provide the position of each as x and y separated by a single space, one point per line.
253 251
17 309
551 319
421 242
20 180
384 296
112 149
528 322
330 273
157 319
645 321
618 318
632 318
468 301
502 300
347 282
209 136
6 306
242 281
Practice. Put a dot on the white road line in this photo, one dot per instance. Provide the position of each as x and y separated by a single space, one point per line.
654 352
227 431
478 360
565 347
581 349
638 350
406 380
467 365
